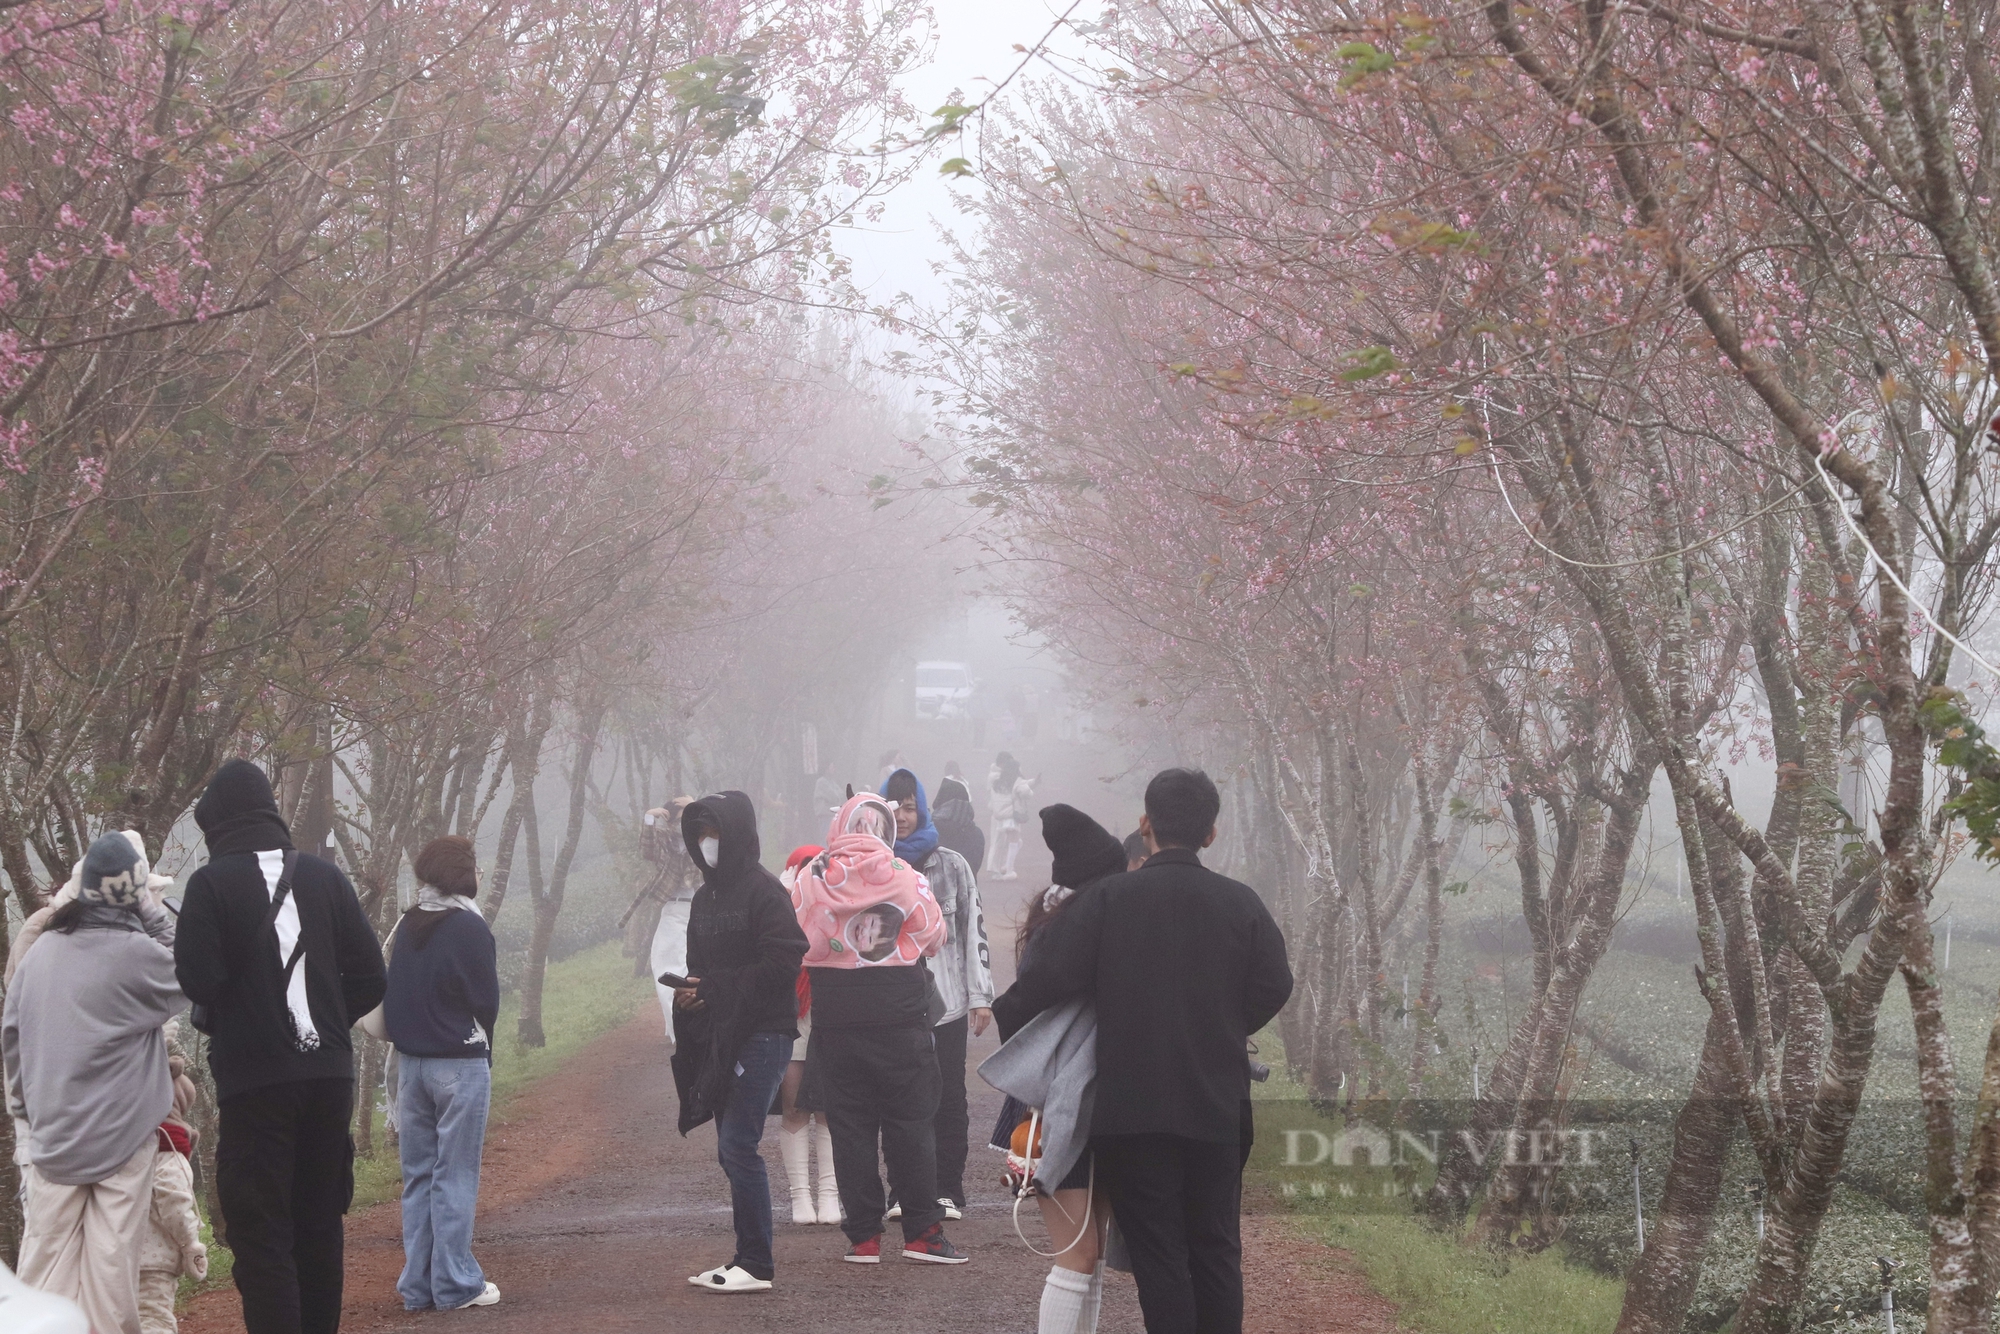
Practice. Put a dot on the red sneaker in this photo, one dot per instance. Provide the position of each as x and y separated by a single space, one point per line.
935 1248
867 1252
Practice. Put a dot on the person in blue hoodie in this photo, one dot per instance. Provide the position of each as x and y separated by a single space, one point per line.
962 969
444 996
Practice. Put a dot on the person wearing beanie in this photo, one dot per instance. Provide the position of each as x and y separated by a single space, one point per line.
962 969
31 928
172 1244
280 962
86 1066
1183 965
1074 1207
801 1130
442 1004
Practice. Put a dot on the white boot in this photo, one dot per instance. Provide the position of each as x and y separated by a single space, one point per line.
797 1151
829 1188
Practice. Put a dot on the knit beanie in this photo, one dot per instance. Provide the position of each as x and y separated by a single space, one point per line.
114 872
1084 850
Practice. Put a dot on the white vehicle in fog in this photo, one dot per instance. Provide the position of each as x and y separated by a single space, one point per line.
943 689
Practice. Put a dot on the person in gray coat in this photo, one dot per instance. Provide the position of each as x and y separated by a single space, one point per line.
86 1066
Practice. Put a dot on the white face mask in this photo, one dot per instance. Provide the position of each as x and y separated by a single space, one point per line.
710 850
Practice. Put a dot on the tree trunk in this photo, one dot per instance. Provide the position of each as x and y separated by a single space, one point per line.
525 758
528 1026
1662 1279
1521 1185
1960 1302
548 904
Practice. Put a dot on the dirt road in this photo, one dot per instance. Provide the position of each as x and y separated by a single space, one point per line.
594 1211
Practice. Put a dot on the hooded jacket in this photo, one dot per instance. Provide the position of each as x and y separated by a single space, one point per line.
86 1060
846 898
861 905
958 824
230 957
963 965
745 946
917 846
444 984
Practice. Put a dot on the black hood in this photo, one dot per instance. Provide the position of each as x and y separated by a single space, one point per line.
238 812
735 816
951 792
1084 849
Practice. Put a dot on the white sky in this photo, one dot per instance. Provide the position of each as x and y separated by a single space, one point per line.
974 50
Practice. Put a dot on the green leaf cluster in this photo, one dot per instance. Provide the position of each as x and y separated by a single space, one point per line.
1962 746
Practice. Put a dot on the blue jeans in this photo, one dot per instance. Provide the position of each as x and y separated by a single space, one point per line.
441 1119
760 1068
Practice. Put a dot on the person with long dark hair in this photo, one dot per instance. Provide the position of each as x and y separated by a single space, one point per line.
1074 1208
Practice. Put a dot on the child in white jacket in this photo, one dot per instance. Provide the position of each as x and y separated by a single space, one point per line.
172 1242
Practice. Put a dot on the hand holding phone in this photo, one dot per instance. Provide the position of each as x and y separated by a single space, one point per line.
684 990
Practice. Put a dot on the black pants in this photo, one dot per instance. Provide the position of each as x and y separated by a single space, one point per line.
284 1175
879 1086
952 1125
1179 1203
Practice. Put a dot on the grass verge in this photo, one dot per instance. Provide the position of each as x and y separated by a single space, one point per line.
1440 1286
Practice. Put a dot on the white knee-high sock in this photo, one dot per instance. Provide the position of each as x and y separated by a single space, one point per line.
1063 1295
1093 1300
829 1184
796 1148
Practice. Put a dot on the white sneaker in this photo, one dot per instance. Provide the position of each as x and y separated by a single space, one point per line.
895 1212
730 1278
951 1210
490 1297
829 1208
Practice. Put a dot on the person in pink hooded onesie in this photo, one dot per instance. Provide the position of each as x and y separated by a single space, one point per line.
860 905
871 1069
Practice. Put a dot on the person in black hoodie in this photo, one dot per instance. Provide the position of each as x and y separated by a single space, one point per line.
279 960
1184 966
957 825
738 1019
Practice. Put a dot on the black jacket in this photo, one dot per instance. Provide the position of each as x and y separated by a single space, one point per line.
1184 965
745 945
226 955
894 997
957 825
